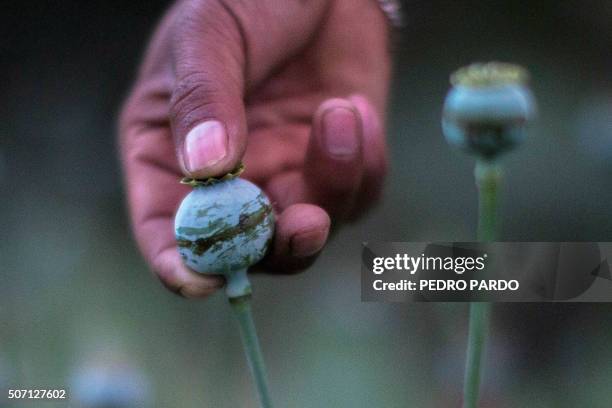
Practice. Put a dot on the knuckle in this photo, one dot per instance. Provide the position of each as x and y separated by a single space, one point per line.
193 100
195 85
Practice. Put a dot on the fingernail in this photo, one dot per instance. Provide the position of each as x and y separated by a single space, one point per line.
205 145
308 243
340 134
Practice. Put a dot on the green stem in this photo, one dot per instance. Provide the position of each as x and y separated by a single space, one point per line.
488 177
479 320
242 309
487 180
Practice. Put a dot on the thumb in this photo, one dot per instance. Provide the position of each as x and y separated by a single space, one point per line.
206 108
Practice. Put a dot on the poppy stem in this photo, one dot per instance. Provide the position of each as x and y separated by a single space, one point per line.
242 310
479 321
488 177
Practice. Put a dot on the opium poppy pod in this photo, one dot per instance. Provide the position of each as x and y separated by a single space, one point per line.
487 109
223 227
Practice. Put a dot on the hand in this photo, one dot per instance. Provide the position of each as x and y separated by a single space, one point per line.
303 83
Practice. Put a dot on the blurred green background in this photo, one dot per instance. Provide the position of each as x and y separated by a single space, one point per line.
79 309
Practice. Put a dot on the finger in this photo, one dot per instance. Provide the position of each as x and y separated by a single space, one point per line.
333 165
153 194
173 273
374 155
207 110
275 150
301 233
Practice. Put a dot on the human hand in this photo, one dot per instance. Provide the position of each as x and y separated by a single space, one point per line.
303 83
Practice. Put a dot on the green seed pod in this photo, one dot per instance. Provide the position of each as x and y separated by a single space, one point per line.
487 110
224 226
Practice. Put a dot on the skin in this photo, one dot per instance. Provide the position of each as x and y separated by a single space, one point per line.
298 88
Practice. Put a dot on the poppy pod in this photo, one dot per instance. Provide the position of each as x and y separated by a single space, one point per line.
223 227
488 108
